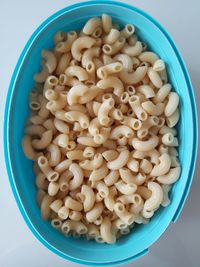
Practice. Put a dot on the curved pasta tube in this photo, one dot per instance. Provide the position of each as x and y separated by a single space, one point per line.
147 145
103 135
41 76
106 231
27 147
87 141
95 163
45 206
75 93
171 177
79 44
78 116
162 93
77 72
159 65
173 119
133 123
128 31
63 63
111 37
44 141
155 78
114 48
110 155
134 102
77 176
163 167
106 23
55 155
146 90
89 197
50 60
98 174
123 214
120 131
111 178
126 189
103 111
95 212
156 198
72 204
90 95
75 226
112 82
134 50
129 178
172 104
91 25
94 127
153 109
89 54
152 154
149 57
133 77
120 161
112 68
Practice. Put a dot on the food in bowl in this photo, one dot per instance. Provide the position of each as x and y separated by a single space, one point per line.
101 133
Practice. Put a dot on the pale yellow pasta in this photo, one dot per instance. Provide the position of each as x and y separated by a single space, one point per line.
72 204
56 205
65 45
63 63
172 104
49 59
129 178
106 231
88 56
149 57
95 163
45 206
114 48
133 77
79 44
91 25
171 177
162 93
99 174
156 198
120 161
55 155
159 65
153 109
75 215
134 102
155 78
63 213
123 214
173 119
77 176
101 132
163 166
146 90
147 145
112 82
111 37
111 178
128 31
95 212
134 50
78 116
106 23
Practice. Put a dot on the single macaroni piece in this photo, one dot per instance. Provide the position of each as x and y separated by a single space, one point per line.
106 23
99 174
50 60
147 145
72 204
95 163
88 197
106 231
111 37
159 65
163 167
111 178
153 109
79 117
149 57
126 189
146 90
91 25
79 44
78 72
95 212
134 50
130 178
156 198
103 112
133 77
134 102
171 177
77 176
112 82
172 104
120 131
155 78
120 161
123 214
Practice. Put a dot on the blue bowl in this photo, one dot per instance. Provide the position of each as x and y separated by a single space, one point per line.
19 168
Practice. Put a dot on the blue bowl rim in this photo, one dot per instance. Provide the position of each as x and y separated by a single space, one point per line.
7 114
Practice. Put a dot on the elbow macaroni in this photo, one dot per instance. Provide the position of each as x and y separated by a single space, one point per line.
101 132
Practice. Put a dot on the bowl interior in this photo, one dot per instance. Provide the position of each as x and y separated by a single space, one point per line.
142 236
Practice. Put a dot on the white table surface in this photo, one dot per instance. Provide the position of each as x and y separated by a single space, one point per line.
180 244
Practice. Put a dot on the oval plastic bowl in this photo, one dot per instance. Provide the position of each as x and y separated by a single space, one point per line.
19 168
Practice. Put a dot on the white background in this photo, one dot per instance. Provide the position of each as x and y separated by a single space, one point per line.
179 245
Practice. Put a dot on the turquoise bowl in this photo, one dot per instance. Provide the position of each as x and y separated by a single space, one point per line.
19 168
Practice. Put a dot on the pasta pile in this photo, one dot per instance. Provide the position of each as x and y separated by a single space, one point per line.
101 133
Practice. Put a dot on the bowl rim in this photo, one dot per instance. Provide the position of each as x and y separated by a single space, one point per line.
7 113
